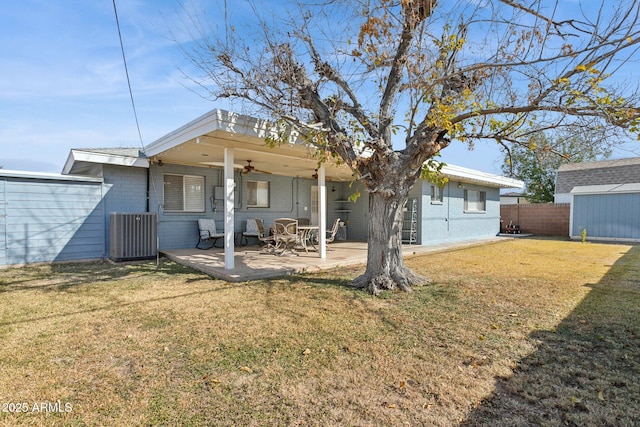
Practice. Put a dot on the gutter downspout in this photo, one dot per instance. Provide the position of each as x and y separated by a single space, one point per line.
148 187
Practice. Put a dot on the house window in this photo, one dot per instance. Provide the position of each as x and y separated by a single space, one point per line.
475 201
436 195
258 194
183 193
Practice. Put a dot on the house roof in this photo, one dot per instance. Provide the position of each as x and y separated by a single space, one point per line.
86 161
195 143
458 173
48 176
201 143
599 164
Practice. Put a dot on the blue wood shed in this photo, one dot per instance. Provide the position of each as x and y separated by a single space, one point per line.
607 212
50 217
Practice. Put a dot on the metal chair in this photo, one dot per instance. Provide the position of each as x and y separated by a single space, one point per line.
264 237
286 235
207 232
331 234
251 230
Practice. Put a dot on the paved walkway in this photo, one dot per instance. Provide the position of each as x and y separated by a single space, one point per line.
252 264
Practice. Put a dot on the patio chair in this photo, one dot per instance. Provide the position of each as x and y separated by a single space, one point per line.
286 235
331 234
264 237
251 230
207 232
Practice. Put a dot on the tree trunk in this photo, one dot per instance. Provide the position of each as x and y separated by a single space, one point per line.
385 264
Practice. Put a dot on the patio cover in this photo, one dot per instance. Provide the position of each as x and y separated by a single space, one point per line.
226 139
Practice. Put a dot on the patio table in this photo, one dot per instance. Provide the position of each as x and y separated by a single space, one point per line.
307 233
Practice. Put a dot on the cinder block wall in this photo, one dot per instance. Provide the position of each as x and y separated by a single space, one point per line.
541 219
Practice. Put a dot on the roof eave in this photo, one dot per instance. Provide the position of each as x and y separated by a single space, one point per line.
606 189
462 174
214 120
86 156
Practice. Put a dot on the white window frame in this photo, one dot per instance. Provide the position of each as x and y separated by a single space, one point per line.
475 201
437 194
258 194
192 192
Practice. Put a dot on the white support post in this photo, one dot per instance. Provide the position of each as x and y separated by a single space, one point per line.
229 203
322 212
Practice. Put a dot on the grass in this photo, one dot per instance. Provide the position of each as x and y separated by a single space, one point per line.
523 332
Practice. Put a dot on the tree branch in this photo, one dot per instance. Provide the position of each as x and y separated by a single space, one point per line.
324 69
412 18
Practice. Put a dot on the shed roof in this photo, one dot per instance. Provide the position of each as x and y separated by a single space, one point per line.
45 176
606 172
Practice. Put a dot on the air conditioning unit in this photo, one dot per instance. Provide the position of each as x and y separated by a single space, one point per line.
132 236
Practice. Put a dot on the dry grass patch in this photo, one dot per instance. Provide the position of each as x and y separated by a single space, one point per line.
532 331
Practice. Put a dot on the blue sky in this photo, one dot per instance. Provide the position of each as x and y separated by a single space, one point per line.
63 83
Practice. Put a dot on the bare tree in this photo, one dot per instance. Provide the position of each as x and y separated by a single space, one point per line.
351 74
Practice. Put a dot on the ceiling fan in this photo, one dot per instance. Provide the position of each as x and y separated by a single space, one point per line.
250 168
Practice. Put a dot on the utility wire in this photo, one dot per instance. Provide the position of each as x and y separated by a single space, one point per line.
135 115
126 70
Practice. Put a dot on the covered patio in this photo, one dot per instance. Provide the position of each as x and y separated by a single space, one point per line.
234 144
251 263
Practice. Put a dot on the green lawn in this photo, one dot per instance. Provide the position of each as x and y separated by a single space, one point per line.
522 332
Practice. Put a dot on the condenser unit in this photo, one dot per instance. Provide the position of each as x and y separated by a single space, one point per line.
132 236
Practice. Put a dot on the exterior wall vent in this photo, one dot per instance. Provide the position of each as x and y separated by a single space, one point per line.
132 236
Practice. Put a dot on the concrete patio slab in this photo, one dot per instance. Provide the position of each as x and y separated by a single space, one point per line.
251 263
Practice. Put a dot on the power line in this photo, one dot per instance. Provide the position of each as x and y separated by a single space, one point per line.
150 177
126 70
